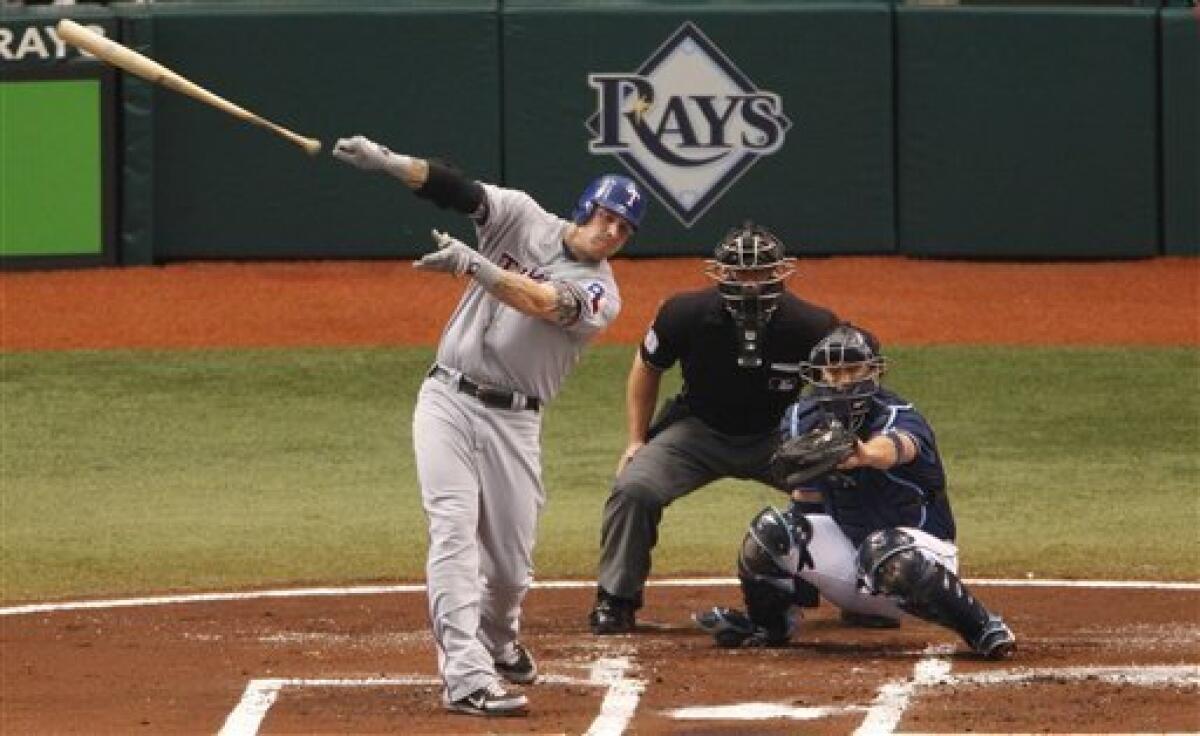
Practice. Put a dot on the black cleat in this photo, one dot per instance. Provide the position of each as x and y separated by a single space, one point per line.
996 641
869 620
492 700
612 615
522 670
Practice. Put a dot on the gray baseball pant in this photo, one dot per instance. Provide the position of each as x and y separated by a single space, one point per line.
682 457
481 488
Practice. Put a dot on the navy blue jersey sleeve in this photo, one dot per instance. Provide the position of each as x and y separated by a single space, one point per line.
910 421
799 418
666 340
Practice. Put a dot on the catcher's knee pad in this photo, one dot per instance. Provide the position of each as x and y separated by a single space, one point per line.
889 562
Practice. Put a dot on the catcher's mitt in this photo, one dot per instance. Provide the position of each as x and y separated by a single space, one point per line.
811 455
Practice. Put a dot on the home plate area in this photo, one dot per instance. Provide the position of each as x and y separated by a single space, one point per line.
610 686
1095 660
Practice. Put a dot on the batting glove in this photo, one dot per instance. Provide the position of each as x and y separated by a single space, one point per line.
364 153
456 257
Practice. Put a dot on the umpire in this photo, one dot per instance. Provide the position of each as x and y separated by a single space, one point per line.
740 344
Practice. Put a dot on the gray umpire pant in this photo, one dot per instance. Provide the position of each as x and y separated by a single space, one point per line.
682 457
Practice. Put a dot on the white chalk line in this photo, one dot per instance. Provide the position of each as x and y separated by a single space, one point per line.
620 700
163 600
893 699
616 710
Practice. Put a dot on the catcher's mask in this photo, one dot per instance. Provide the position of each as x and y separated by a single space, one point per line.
844 370
775 547
749 267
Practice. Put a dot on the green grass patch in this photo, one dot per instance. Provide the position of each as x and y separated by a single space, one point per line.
132 472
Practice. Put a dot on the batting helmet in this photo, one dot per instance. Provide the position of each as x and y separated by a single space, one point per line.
844 370
618 194
750 267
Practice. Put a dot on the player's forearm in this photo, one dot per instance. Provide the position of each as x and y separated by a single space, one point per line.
534 298
443 185
414 172
885 451
641 394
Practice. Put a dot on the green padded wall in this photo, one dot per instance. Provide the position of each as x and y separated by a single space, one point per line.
1027 132
1181 131
828 189
419 77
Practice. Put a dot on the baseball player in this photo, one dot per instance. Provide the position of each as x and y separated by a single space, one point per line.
876 536
541 289
740 343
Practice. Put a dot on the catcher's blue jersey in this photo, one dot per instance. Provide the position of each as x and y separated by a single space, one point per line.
864 500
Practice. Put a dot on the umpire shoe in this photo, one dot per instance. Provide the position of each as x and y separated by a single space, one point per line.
492 700
996 641
611 615
522 670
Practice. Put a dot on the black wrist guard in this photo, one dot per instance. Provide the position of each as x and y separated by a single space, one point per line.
448 188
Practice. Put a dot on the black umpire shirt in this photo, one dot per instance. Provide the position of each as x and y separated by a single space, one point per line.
695 329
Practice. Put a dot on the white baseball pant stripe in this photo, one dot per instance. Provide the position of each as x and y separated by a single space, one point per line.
481 488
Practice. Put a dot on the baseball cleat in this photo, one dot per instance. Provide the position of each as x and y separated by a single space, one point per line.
522 670
492 700
996 641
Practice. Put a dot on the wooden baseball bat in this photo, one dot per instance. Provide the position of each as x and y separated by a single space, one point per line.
131 61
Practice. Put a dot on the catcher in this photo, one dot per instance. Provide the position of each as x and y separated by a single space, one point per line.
870 524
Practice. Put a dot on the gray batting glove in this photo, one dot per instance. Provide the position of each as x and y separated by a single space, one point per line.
456 257
363 153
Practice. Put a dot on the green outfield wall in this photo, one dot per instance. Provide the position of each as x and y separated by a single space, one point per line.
849 127
1181 131
1027 132
828 186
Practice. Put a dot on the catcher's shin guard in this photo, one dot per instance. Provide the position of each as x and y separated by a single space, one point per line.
891 564
769 604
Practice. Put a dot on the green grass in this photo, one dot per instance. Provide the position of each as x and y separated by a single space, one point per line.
134 472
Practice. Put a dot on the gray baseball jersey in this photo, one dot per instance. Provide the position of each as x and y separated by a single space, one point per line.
480 467
495 344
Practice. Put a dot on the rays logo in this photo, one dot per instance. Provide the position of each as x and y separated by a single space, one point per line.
687 123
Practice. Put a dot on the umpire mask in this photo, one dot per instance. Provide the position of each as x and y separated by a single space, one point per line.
749 267
844 370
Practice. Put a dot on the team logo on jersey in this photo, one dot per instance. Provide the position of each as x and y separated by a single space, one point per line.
595 291
509 263
688 123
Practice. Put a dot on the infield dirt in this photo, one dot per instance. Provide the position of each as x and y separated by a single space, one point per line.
1088 657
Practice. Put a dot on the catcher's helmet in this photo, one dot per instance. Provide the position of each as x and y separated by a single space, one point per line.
618 194
775 546
844 370
750 267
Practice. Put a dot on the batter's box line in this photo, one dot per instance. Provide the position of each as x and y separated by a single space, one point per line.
616 710
883 716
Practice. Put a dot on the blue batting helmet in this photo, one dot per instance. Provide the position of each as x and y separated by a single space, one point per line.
618 194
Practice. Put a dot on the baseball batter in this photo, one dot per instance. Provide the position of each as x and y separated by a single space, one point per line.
541 289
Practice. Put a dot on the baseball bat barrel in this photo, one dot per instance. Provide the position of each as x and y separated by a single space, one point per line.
131 61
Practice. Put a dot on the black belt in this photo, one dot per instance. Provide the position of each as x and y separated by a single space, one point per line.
494 398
